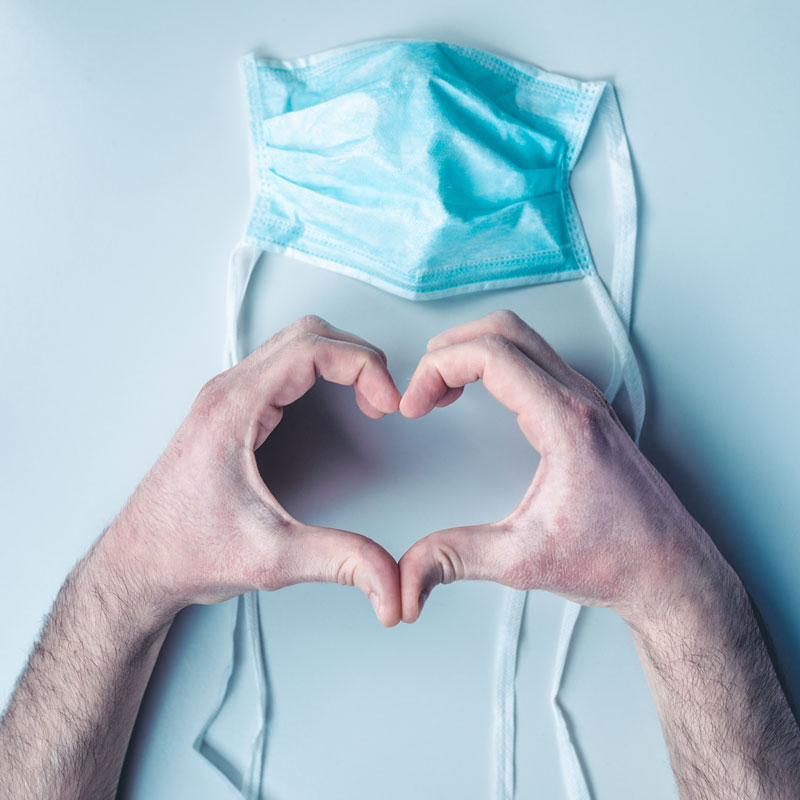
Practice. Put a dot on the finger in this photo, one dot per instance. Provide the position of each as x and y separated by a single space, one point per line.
263 389
311 323
295 368
540 402
480 552
450 396
365 405
527 340
349 559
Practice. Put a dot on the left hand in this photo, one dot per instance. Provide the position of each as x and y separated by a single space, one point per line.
202 526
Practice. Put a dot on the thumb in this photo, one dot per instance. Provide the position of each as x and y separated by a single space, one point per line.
477 552
349 559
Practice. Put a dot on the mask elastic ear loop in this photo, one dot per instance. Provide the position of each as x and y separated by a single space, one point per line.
510 630
623 190
615 311
246 609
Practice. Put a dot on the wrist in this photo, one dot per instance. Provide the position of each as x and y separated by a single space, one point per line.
688 589
121 577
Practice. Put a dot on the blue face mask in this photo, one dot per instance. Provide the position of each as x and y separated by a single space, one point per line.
424 168
430 169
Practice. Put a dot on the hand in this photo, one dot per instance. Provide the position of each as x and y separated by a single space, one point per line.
598 524
203 527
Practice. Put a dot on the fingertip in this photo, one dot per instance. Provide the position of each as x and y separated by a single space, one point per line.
392 401
440 340
386 397
375 383
389 623
412 608
365 405
410 613
377 607
409 405
388 613
412 584
413 603
382 587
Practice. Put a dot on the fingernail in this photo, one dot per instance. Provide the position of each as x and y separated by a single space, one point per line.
376 603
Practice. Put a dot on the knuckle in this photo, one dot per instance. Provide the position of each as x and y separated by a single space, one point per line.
506 320
365 549
429 360
374 358
211 397
589 416
582 409
346 571
448 562
306 339
310 322
212 385
363 552
594 393
305 324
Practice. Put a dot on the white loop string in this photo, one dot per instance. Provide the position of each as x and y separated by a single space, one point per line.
506 666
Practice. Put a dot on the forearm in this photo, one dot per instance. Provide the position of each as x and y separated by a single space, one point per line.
67 727
728 726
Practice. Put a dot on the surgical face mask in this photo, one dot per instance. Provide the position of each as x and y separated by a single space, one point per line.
426 169
430 170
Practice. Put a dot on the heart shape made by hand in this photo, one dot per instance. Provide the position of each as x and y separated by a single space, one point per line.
394 481
562 518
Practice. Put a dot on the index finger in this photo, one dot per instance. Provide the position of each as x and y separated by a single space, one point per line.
539 401
254 393
529 342
266 387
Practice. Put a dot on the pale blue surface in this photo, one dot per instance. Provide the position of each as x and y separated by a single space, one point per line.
123 155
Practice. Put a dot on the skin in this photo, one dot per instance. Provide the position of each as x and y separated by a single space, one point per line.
598 525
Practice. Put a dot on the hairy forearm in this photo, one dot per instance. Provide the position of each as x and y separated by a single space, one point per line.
67 727
728 726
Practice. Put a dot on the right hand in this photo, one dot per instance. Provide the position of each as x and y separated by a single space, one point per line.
598 524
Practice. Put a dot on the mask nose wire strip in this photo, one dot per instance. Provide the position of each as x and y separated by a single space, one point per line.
246 608
615 312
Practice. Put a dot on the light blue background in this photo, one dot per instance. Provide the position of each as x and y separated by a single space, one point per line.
123 187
